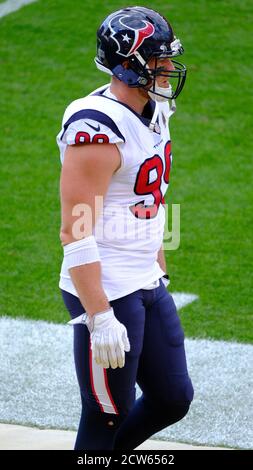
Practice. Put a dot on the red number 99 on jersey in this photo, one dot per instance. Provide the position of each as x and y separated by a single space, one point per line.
85 138
143 186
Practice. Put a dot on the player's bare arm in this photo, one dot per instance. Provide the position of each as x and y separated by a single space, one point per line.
86 173
161 259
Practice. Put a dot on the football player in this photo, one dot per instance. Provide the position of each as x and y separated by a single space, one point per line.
115 151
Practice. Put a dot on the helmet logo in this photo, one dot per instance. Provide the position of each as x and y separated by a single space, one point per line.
132 38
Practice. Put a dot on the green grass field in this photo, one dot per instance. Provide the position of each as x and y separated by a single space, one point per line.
46 61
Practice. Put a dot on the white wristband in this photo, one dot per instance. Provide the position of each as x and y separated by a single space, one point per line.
84 318
83 251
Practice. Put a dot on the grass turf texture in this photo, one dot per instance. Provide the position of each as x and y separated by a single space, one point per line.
47 51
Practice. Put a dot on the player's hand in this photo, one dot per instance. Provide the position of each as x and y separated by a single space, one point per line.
109 340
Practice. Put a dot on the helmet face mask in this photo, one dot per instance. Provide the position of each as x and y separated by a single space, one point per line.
176 79
127 41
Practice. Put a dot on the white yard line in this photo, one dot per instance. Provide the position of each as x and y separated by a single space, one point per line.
13 5
39 387
182 299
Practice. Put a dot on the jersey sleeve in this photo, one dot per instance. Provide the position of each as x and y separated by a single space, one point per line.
91 126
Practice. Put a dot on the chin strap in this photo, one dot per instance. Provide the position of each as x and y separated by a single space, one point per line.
153 123
173 106
154 118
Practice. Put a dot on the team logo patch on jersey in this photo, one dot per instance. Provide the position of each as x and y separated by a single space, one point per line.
133 37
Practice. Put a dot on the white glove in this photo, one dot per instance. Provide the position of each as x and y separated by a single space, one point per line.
109 339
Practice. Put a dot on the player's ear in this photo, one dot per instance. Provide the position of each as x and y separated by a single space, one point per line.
126 64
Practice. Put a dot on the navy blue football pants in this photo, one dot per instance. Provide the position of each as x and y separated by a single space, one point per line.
111 416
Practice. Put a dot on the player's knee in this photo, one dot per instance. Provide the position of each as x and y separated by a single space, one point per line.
177 411
175 406
171 412
182 391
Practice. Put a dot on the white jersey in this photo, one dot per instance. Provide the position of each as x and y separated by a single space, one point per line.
129 231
